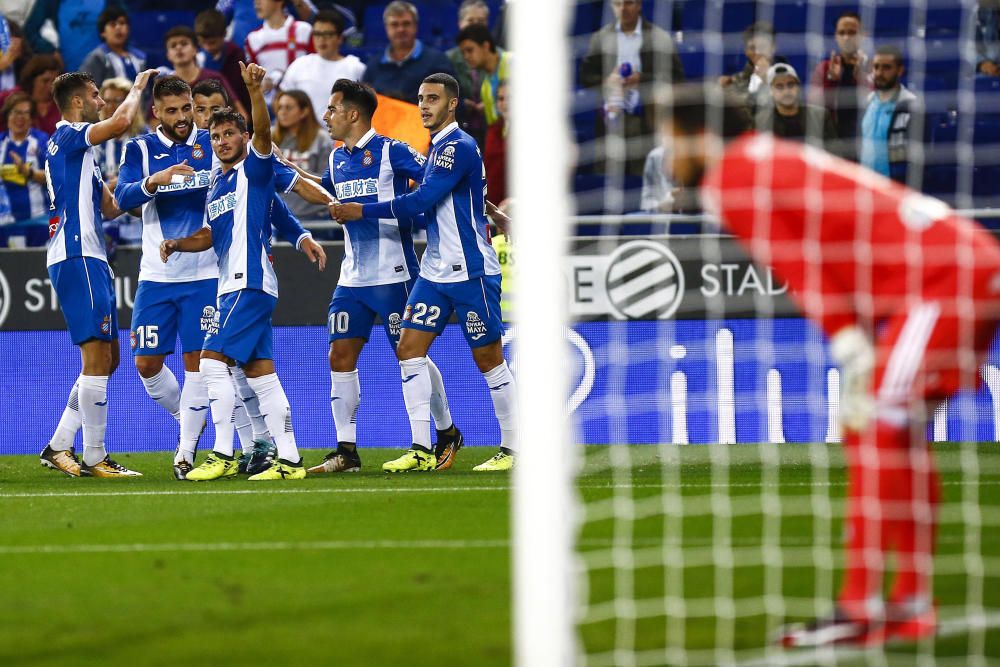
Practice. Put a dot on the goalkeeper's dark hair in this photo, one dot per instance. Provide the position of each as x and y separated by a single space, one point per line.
704 107
357 95
170 85
210 87
228 115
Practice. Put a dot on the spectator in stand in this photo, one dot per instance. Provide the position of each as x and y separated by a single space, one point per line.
842 82
988 37
219 54
73 22
22 153
126 229
406 61
470 112
36 80
623 61
495 153
113 58
481 53
183 55
315 72
242 18
891 120
787 117
750 82
12 52
657 190
297 133
277 43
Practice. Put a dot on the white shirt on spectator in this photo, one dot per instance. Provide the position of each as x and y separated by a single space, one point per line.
629 45
276 49
315 75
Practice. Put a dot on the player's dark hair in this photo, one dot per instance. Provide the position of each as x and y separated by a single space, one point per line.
170 85
109 15
477 33
358 95
228 115
210 87
449 82
849 14
331 16
68 85
210 23
891 50
181 31
698 107
758 29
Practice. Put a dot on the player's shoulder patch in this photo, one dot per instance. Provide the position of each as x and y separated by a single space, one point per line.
79 126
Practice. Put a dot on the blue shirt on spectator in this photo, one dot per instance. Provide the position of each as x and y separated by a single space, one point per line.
402 79
875 134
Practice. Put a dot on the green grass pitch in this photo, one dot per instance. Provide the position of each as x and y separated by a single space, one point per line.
370 569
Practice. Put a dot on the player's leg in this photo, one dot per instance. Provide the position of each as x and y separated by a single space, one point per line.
58 453
154 329
349 322
255 440
427 312
477 303
196 315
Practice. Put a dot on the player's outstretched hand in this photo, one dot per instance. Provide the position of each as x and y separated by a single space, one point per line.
253 74
314 252
345 212
167 176
499 218
144 78
167 248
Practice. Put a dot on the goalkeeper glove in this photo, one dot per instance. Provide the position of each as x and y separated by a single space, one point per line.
853 352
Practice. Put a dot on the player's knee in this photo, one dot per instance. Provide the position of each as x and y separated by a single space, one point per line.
148 366
341 361
488 357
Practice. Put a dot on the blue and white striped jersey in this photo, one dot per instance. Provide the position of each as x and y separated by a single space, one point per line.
75 190
28 199
379 251
174 211
453 198
239 214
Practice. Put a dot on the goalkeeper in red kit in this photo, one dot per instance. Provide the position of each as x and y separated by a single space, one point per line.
908 293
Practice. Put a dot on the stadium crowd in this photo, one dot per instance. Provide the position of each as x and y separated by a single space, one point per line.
304 45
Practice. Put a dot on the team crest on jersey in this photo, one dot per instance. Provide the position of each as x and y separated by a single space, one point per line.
106 325
474 326
446 158
197 152
208 316
132 340
213 323
367 159
394 323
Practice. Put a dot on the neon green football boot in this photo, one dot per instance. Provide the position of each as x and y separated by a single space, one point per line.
416 460
500 462
280 469
216 466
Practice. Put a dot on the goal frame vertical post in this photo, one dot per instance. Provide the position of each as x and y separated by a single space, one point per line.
543 512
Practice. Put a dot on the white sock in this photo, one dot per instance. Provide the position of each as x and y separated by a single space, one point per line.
222 398
501 384
241 421
345 398
69 423
93 395
277 413
164 389
439 399
417 396
194 412
250 403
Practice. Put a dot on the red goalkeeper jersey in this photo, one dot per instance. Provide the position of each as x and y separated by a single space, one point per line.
854 246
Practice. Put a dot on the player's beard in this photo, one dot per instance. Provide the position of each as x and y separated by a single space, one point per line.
238 154
172 132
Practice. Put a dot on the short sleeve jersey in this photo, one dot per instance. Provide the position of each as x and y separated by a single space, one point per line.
75 190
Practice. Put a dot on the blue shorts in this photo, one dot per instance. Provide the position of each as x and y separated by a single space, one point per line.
241 329
164 310
476 302
86 290
353 309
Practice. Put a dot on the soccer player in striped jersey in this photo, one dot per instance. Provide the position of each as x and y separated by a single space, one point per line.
238 226
78 265
378 271
908 292
459 273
